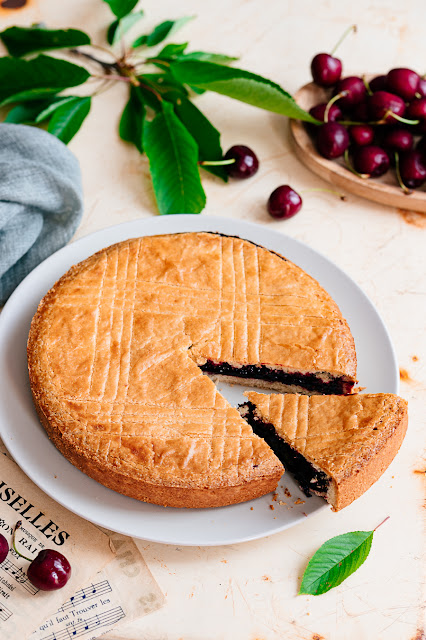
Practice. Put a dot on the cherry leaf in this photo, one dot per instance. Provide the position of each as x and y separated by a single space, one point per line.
119 27
335 561
132 119
241 85
20 41
68 118
42 73
121 8
161 32
173 162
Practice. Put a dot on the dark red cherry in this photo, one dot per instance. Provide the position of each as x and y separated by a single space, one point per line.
421 146
412 168
50 570
334 113
403 82
397 139
353 91
421 89
284 202
378 84
246 163
361 134
416 110
326 70
360 112
4 548
332 140
383 104
372 161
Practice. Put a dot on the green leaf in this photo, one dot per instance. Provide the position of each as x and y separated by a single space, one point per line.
173 157
240 85
43 72
172 51
335 561
50 108
31 94
164 81
67 120
132 119
161 32
204 133
119 27
205 56
20 41
26 112
121 8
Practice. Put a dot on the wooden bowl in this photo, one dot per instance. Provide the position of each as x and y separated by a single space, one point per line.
384 189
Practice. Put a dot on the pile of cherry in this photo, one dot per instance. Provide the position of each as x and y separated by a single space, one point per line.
375 125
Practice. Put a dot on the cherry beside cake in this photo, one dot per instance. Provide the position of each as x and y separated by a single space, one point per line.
118 347
335 446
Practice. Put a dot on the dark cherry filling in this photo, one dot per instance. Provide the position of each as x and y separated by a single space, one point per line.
308 381
308 478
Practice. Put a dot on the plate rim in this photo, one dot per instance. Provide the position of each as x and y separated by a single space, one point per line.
206 221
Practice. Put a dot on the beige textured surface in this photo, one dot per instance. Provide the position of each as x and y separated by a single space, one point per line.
112 375
340 435
249 591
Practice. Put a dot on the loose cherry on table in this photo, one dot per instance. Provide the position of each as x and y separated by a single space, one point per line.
246 163
49 570
4 548
370 161
284 202
403 82
332 140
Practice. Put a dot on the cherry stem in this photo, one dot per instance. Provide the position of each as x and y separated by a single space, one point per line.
114 77
216 163
108 66
405 189
334 99
339 42
348 163
336 193
383 522
397 117
15 529
367 86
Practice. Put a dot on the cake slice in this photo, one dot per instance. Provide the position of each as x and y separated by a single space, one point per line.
335 446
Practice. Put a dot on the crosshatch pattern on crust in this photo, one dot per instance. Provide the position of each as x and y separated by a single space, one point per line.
114 348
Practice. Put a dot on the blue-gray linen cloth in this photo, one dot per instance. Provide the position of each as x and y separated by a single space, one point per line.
41 200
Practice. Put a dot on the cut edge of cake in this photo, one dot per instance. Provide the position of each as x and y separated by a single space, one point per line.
339 476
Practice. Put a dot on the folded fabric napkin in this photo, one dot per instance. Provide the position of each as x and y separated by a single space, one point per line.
41 200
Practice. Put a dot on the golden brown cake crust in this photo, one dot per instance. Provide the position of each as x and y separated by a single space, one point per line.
352 439
112 355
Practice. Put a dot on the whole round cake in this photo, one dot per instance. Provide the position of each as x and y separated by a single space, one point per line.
120 345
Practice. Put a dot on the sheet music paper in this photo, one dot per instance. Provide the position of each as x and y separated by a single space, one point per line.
45 524
124 591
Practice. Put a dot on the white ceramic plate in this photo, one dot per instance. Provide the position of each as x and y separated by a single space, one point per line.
28 444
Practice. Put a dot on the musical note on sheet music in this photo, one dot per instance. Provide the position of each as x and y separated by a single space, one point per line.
19 575
74 630
4 613
83 595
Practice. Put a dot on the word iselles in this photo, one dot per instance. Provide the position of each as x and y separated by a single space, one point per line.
29 512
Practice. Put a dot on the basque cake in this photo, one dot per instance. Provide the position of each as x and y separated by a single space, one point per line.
118 347
335 446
